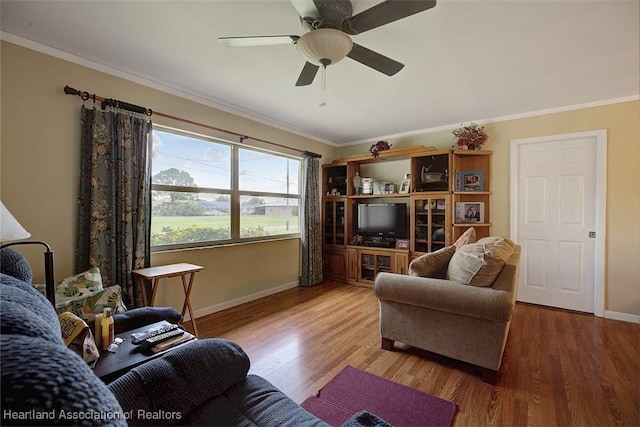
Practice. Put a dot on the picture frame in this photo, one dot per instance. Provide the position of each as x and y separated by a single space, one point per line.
440 204
469 212
472 180
405 186
389 188
402 244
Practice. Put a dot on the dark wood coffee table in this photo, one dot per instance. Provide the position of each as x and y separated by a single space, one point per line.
113 365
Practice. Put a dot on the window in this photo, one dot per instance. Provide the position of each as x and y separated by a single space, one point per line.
207 192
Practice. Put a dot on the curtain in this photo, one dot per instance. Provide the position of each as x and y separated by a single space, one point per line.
115 198
310 225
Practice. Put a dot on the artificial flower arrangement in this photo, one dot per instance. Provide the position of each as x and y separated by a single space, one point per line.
379 146
470 137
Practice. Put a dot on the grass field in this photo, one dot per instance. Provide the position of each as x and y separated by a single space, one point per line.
268 222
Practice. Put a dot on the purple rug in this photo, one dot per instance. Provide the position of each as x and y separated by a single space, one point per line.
353 390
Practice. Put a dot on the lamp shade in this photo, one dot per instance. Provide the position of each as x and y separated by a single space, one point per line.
10 228
324 46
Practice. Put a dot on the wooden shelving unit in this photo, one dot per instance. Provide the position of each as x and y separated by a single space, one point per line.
434 222
470 163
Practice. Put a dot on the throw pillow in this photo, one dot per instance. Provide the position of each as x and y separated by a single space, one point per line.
498 246
479 264
87 306
469 236
433 264
79 286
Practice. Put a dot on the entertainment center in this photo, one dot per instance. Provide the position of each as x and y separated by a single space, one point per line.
420 199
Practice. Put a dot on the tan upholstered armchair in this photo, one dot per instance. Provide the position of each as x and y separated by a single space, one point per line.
465 314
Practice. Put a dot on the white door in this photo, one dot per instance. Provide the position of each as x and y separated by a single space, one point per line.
555 210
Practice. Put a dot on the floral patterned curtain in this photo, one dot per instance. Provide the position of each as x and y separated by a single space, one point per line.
115 198
310 225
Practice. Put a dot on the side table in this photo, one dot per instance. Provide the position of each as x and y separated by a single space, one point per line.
154 274
113 365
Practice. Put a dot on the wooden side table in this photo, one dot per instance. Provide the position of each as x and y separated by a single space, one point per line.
154 274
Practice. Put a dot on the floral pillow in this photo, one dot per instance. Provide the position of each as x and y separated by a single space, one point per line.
89 305
84 295
79 286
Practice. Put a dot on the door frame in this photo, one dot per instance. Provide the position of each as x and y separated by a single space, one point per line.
601 202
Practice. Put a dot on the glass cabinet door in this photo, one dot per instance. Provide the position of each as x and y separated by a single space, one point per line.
421 225
372 263
430 222
329 221
367 266
334 222
340 222
438 228
383 263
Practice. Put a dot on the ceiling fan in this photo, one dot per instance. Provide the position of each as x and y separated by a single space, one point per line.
330 24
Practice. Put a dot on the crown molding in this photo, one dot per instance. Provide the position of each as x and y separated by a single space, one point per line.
232 109
500 119
157 85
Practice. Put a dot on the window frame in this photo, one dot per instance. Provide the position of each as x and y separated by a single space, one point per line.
234 193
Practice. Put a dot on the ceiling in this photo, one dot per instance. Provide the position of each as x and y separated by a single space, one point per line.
465 61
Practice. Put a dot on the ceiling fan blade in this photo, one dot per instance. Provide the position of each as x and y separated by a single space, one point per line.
386 12
306 8
375 60
307 75
257 40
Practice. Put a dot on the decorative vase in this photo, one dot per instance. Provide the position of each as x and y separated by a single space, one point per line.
357 184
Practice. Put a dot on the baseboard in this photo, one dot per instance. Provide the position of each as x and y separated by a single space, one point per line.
248 298
625 317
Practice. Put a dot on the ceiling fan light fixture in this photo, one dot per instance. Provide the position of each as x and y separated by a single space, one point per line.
324 44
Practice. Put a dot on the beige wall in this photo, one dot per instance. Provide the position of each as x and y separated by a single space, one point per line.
39 147
40 134
622 122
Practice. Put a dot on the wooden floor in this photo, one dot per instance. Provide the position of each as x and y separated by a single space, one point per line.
559 367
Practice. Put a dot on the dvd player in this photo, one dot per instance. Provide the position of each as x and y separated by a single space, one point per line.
380 243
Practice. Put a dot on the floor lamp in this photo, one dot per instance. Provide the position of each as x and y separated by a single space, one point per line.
10 230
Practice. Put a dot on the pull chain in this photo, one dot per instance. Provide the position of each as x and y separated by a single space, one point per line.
324 85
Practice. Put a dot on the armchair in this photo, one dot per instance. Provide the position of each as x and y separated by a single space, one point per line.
459 315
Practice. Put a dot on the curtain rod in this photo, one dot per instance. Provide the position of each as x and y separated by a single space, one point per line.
143 110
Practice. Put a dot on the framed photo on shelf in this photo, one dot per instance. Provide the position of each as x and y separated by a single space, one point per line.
402 244
389 188
471 181
470 212
405 186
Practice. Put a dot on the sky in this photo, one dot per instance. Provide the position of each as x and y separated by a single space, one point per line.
209 164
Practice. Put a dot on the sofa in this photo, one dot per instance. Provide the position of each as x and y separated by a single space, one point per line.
204 382
455 302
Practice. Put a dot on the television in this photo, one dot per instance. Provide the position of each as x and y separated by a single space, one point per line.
388 220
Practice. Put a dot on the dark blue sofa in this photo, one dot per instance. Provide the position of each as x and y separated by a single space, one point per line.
205 382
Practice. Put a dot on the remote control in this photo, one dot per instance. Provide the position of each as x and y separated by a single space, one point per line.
157 339
139 340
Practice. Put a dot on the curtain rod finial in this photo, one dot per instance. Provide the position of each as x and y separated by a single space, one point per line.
70 91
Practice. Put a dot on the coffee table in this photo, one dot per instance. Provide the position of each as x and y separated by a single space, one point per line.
113 365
